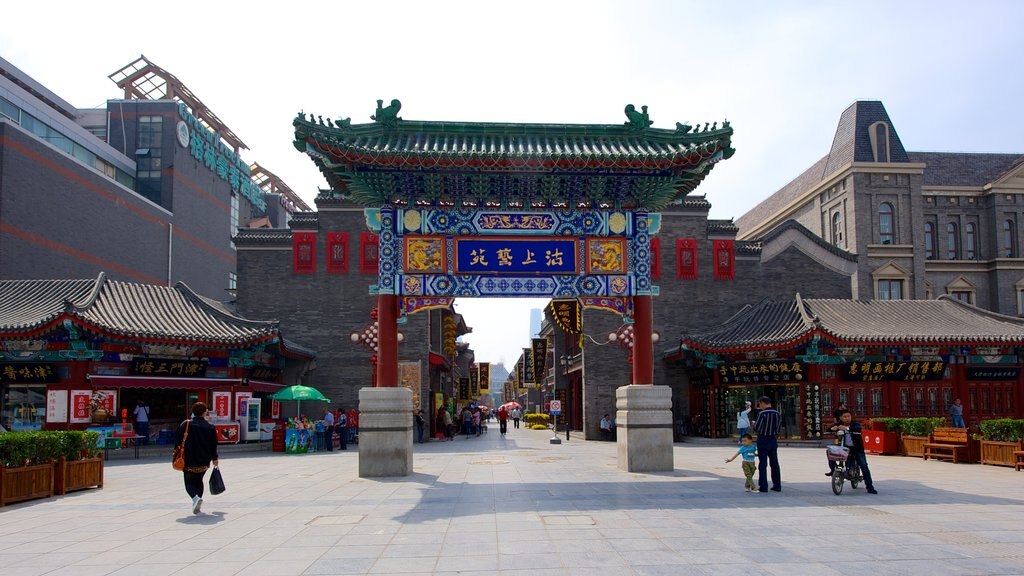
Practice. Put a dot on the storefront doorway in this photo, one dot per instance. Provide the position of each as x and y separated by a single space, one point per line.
785 398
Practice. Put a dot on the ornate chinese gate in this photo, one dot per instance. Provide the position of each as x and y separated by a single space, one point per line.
512 210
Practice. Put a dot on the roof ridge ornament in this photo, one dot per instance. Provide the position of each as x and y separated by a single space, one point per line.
637 121
388 116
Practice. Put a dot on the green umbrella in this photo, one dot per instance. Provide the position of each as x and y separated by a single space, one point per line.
299 393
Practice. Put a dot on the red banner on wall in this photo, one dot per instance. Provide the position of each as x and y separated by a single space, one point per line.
686 258
303 252
655 258
337 252
368 257
725 259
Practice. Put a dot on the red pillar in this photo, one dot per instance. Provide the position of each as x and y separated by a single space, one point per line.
643 344
387 341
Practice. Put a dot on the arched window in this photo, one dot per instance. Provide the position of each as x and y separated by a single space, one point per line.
885 224
952 242
971 246
929 240
1009 239
837 229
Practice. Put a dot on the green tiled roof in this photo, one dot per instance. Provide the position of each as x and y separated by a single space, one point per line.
462 164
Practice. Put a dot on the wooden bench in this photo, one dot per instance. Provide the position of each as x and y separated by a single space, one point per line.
946 443
1018 457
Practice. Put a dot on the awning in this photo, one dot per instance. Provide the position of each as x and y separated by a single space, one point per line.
438 360
263 386
99 381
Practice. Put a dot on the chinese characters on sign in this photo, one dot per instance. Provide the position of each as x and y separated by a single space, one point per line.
993 373
767 371
566 314
485 377
812 411
168 367
28 374
540 355
56 406
516 256
464 389
264 373
474 383
903 371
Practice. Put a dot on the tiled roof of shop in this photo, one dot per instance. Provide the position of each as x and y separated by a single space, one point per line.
721 227
263 236
304 220
964 169
27 304
126 310
696 203
778 324
748 248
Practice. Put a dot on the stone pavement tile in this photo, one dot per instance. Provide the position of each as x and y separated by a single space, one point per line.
985 566
436 537
333 566
467 547
76 570
800 569
563 546
528 561
685 544
414 552
121 557
312 540
574 534
833 553
275 568
467 563
655 557
734 570
247 555
763 556
342 552
47 559
601 561
365 539
202 542
665 570
636 544
212 569
526 546
175 556
403 566
284 553
898 568
147 569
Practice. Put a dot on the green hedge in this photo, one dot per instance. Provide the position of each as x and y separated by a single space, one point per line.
537 419
30 448
911 426
1002 429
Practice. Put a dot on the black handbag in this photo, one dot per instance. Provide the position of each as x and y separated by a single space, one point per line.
216 482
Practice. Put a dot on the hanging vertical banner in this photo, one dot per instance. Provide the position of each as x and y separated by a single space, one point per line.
686 258
566 314
275 409
540 356
474 382
519 373
485 377
464 389
528 373
337 252
725 259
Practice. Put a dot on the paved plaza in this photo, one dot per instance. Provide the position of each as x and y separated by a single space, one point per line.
520 506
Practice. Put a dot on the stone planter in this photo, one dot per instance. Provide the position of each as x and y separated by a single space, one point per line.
999 453
78 474
25 483
912 445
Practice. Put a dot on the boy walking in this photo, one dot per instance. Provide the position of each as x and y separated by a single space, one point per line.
747 450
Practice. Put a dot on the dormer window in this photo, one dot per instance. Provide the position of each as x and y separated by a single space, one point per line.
878 133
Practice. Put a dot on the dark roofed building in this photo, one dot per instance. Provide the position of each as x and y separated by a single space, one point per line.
900 358
921 224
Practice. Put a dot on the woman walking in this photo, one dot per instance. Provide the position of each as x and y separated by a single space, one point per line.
200 441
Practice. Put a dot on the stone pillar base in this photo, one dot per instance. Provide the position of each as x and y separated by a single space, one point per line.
385 432
643 425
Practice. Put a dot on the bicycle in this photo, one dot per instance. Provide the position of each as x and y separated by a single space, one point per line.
846 469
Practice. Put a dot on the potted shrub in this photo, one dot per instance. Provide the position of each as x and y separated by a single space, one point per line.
26 465
915 434
80 465
1002 437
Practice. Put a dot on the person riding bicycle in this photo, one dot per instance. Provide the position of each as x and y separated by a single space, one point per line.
853 439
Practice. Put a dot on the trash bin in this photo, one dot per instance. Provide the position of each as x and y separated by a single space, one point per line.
876 442
277 440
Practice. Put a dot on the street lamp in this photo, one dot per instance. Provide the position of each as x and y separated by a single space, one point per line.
564 361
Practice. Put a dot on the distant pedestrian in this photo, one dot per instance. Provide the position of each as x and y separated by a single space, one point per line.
517 415
329 429
743 421
421 423
449 425
142 421
503 420
341 425
200 446
956 412
767 426
747 450
476 422
606 427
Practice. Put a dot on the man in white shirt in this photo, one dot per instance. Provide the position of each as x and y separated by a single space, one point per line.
142 421
329 429
516 416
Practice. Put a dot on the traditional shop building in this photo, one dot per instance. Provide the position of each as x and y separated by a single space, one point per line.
904 358
77 353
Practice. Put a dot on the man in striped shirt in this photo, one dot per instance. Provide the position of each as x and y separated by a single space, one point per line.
767 427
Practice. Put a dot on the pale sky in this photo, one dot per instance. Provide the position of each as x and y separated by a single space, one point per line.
948 73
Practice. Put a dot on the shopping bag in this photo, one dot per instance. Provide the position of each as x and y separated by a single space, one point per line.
216 482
